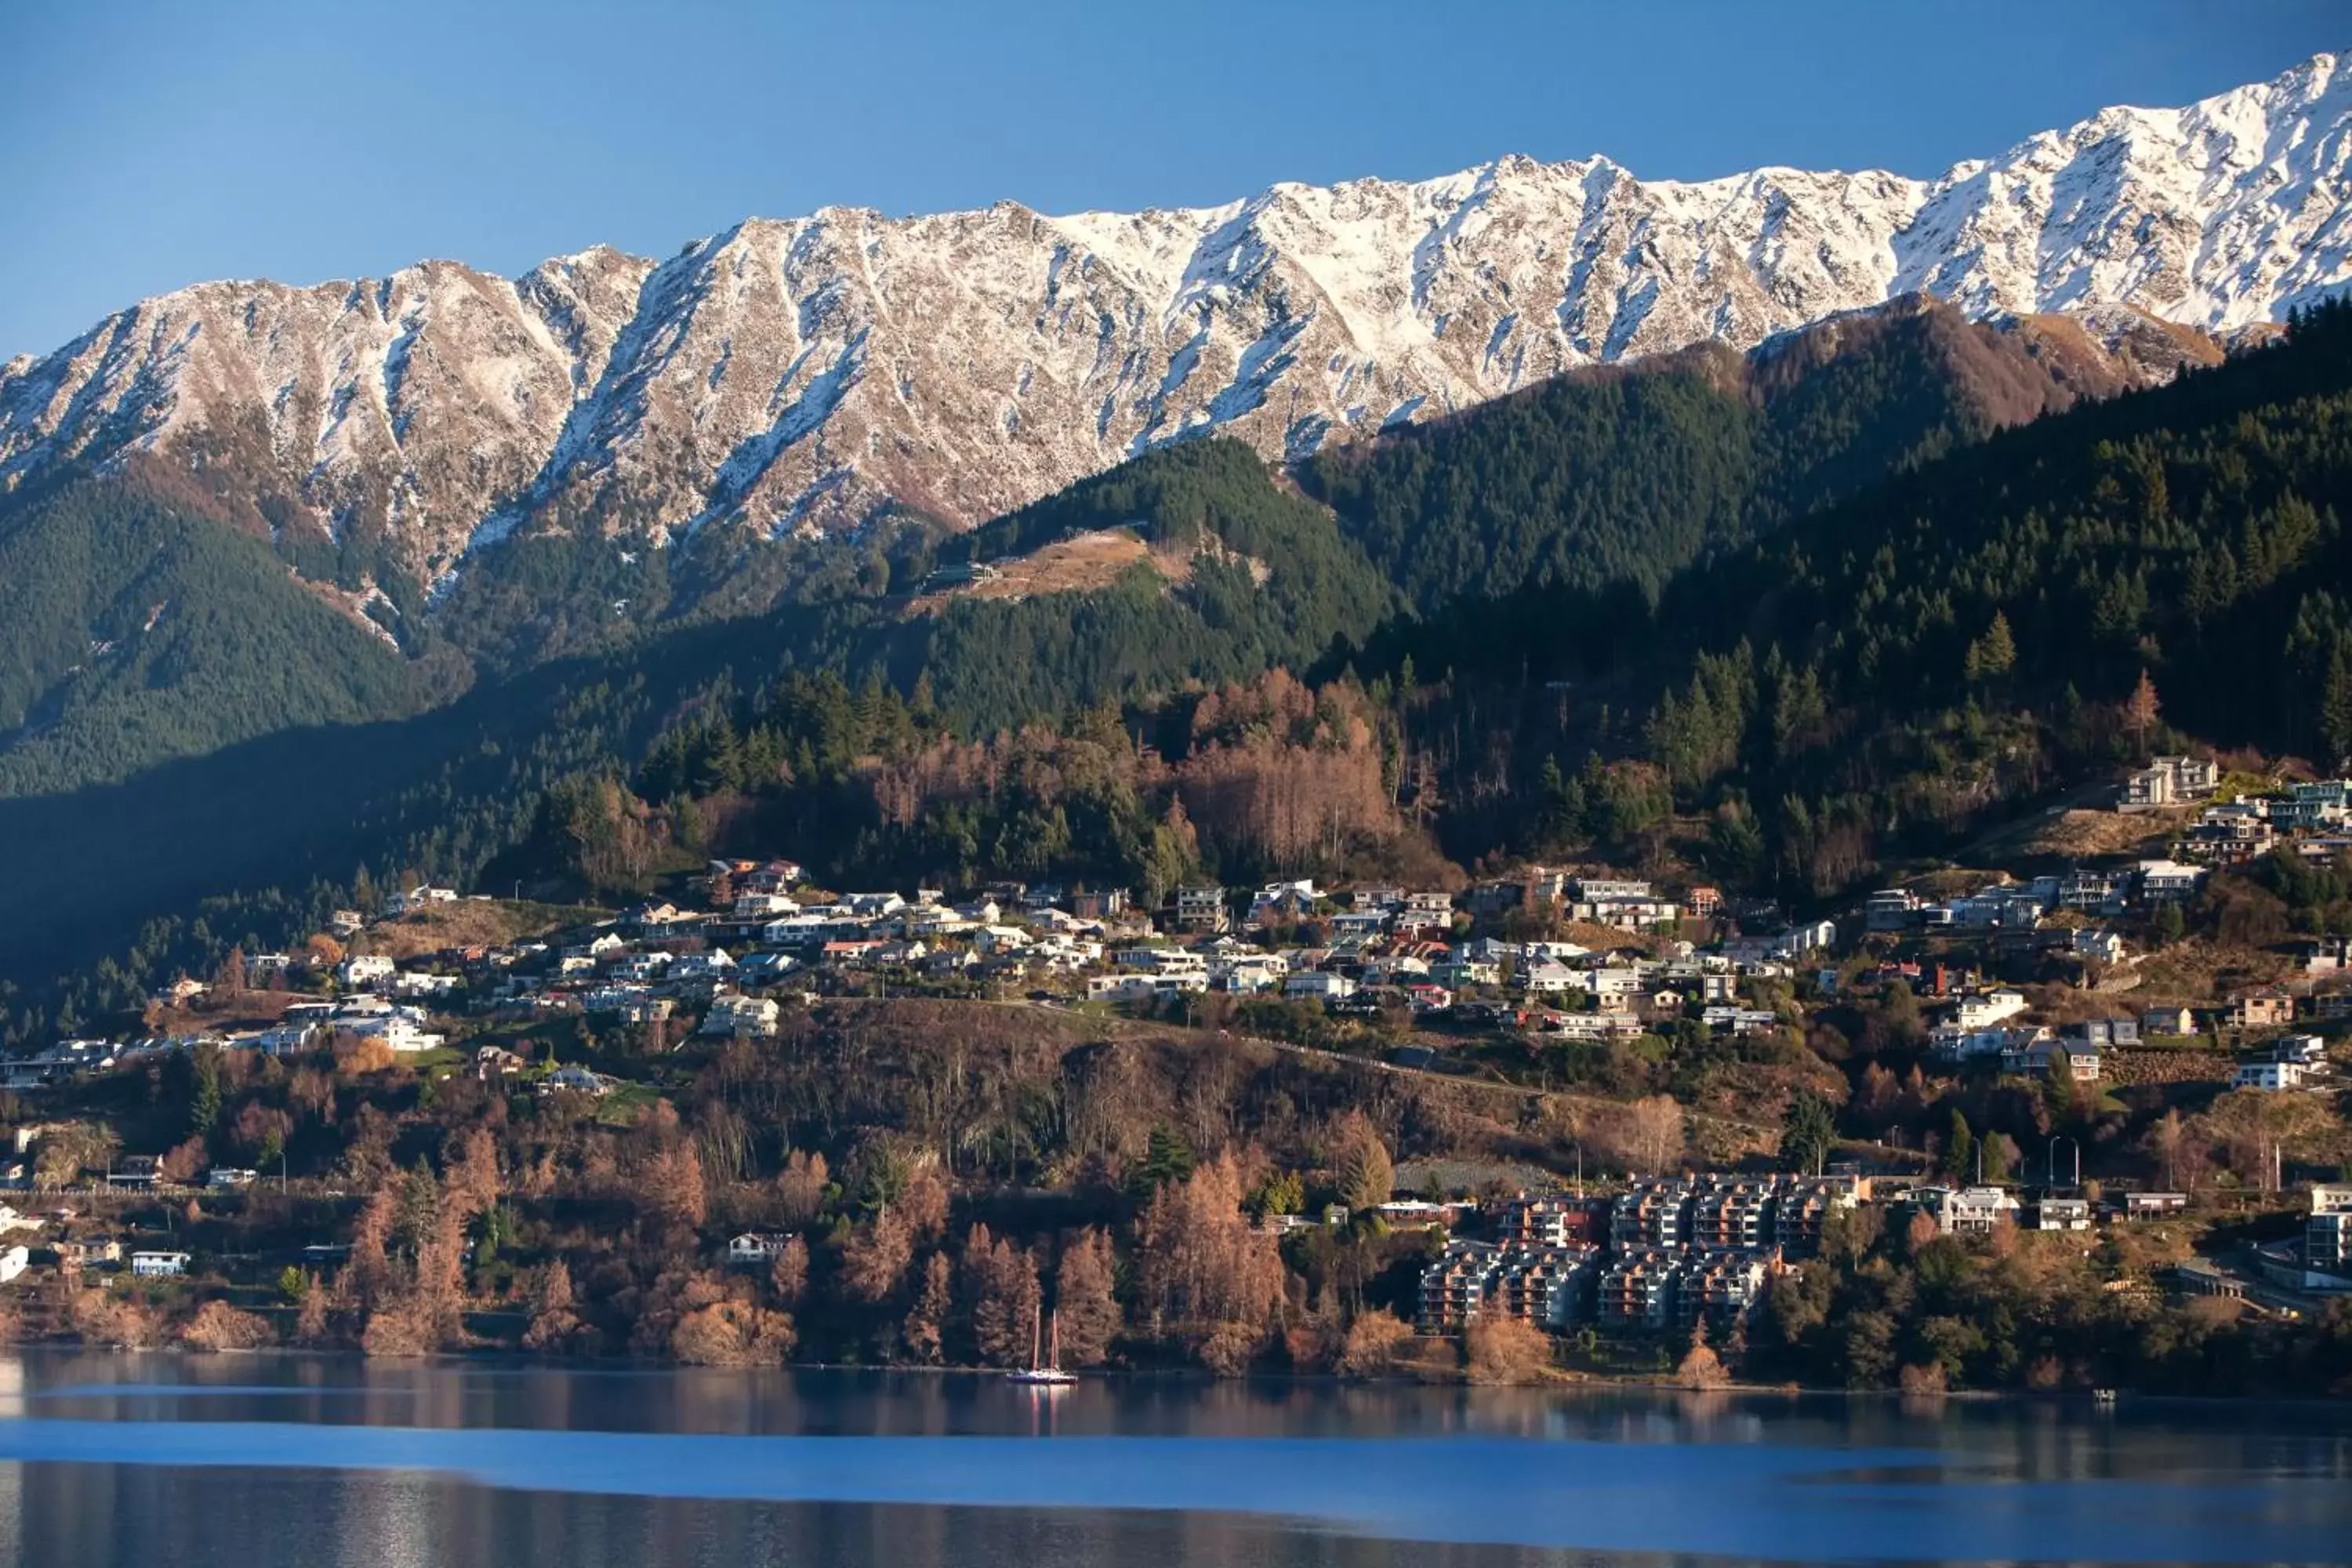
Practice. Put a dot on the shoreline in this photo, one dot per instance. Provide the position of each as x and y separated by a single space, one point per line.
1562 1383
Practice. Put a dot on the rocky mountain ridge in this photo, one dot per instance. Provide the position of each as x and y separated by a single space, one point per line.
803 373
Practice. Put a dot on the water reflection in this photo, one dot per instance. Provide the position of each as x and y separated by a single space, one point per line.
263 1460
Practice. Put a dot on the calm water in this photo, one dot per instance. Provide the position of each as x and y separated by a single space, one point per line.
253 1462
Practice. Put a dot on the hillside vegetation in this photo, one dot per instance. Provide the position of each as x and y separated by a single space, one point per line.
1821 700
1625 475
135 632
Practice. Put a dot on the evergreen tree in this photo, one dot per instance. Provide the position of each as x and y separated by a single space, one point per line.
1808 1133
2336 705
1960 1150
1166 1158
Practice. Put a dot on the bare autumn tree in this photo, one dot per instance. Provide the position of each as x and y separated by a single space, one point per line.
1506 1350
730 1333
1654 1133
925 1330
799 1187
368 1270
788 1271
1360 1165
313 1092
1000 1283
185 1161
2163 1142
1201 1260
922 1205
310 1324
1373 1341
2141 708
1086 1312
441 1277
876 1257
554 1320
1701 1368
669 1186
473 1182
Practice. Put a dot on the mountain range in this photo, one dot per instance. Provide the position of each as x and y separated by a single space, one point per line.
810 375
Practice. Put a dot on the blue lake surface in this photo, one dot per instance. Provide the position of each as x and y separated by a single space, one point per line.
257 1461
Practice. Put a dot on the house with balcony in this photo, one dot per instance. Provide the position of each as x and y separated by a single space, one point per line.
757 1248
2167 881
1802 1208
2170 781
2094 892
1650 1214
2263 1009
2061 1213
1983 1009
2327 1231
1731 1216
1718 1287
1454 1289
1639 1290
736 1016
1967 1211
1891 910
2267 1076
1201 909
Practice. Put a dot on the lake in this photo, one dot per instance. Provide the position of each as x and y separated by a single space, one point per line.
259 1461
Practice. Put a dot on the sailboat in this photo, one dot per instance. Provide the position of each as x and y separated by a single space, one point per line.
1046 1371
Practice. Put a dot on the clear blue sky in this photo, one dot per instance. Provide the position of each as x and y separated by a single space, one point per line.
151 144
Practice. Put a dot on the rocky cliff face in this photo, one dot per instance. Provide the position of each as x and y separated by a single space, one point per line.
797 374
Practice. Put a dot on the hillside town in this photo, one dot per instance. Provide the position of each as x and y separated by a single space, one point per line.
2059 998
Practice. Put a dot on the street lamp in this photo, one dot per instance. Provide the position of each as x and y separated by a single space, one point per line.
2063 1138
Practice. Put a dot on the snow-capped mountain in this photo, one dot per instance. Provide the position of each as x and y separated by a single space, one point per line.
798 373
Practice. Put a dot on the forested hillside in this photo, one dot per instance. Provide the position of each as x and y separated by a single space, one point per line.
1878 677
1267 579
135 631
1626 475
1883 673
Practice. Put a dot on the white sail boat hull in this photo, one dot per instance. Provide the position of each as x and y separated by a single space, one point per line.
1043 1370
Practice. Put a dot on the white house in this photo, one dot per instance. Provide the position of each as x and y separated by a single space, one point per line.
158 1265
1967 1211
1548 979
755 1247
417 983
361 970
279 1040
577 1079
1611 987
2168 881
2306 1050
2267 1075
1320 985
1983 1009
753 1017
1801 939
763 906
396 1030
13 1262
2103 945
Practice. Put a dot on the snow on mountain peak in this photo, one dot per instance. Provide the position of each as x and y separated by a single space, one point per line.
784 373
